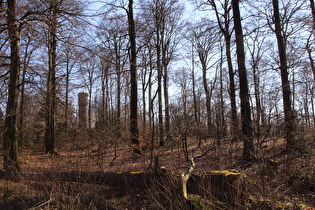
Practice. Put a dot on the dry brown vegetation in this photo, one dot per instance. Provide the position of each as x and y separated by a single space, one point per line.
275 181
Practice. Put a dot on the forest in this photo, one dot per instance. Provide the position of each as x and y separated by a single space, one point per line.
157 104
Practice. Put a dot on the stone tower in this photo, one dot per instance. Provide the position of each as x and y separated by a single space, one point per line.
83 110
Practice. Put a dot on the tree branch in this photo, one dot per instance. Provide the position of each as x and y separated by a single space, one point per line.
185 176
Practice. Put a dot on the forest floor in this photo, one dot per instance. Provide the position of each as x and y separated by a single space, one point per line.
275 181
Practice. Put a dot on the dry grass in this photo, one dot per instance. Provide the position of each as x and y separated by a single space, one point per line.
274 182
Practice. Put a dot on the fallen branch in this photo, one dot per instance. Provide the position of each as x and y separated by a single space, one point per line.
43 204
185 176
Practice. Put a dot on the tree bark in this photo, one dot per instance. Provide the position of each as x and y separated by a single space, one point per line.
247 130
159 72
312 5
224 28
207 92
133 81
10 136
51 99
291 142
166 97
118 87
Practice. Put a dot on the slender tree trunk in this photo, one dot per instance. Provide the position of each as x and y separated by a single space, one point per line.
309 51
10 136
151 117
106 96
231 88
196 104
208 101
144 100
50 133
224 28
159 69
90 101
247 130
222 120
118 90
203 61
312 5
22 107
67 94
166 99
291 144
258 105
312 104
133 81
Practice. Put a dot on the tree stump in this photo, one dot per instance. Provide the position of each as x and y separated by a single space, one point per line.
225 186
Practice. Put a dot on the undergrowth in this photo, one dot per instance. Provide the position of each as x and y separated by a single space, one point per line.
274 181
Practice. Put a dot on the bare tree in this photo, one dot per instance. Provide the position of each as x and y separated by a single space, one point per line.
51 97
291 144
205 40
133 80
10 136
224 20
247 130
256 44
163 20
54 14
113 35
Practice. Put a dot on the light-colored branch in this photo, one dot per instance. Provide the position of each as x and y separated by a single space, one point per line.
185 176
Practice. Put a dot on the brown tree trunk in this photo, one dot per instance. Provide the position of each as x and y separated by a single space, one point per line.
10 136
133 81
258 105
312 5
118 89
196 101
247 130
224 28
232 89
166 98
309 51
207 92
291 144
159 71
50 131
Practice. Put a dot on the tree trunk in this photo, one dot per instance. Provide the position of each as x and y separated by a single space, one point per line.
166 98
203 59
291 144
232 89
247 130
51 99
224 28
222 128
257 99
309 51
118 89
133 81
312 5
159 69
22 105
144 100
10 136
208 98
68 72
196 104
